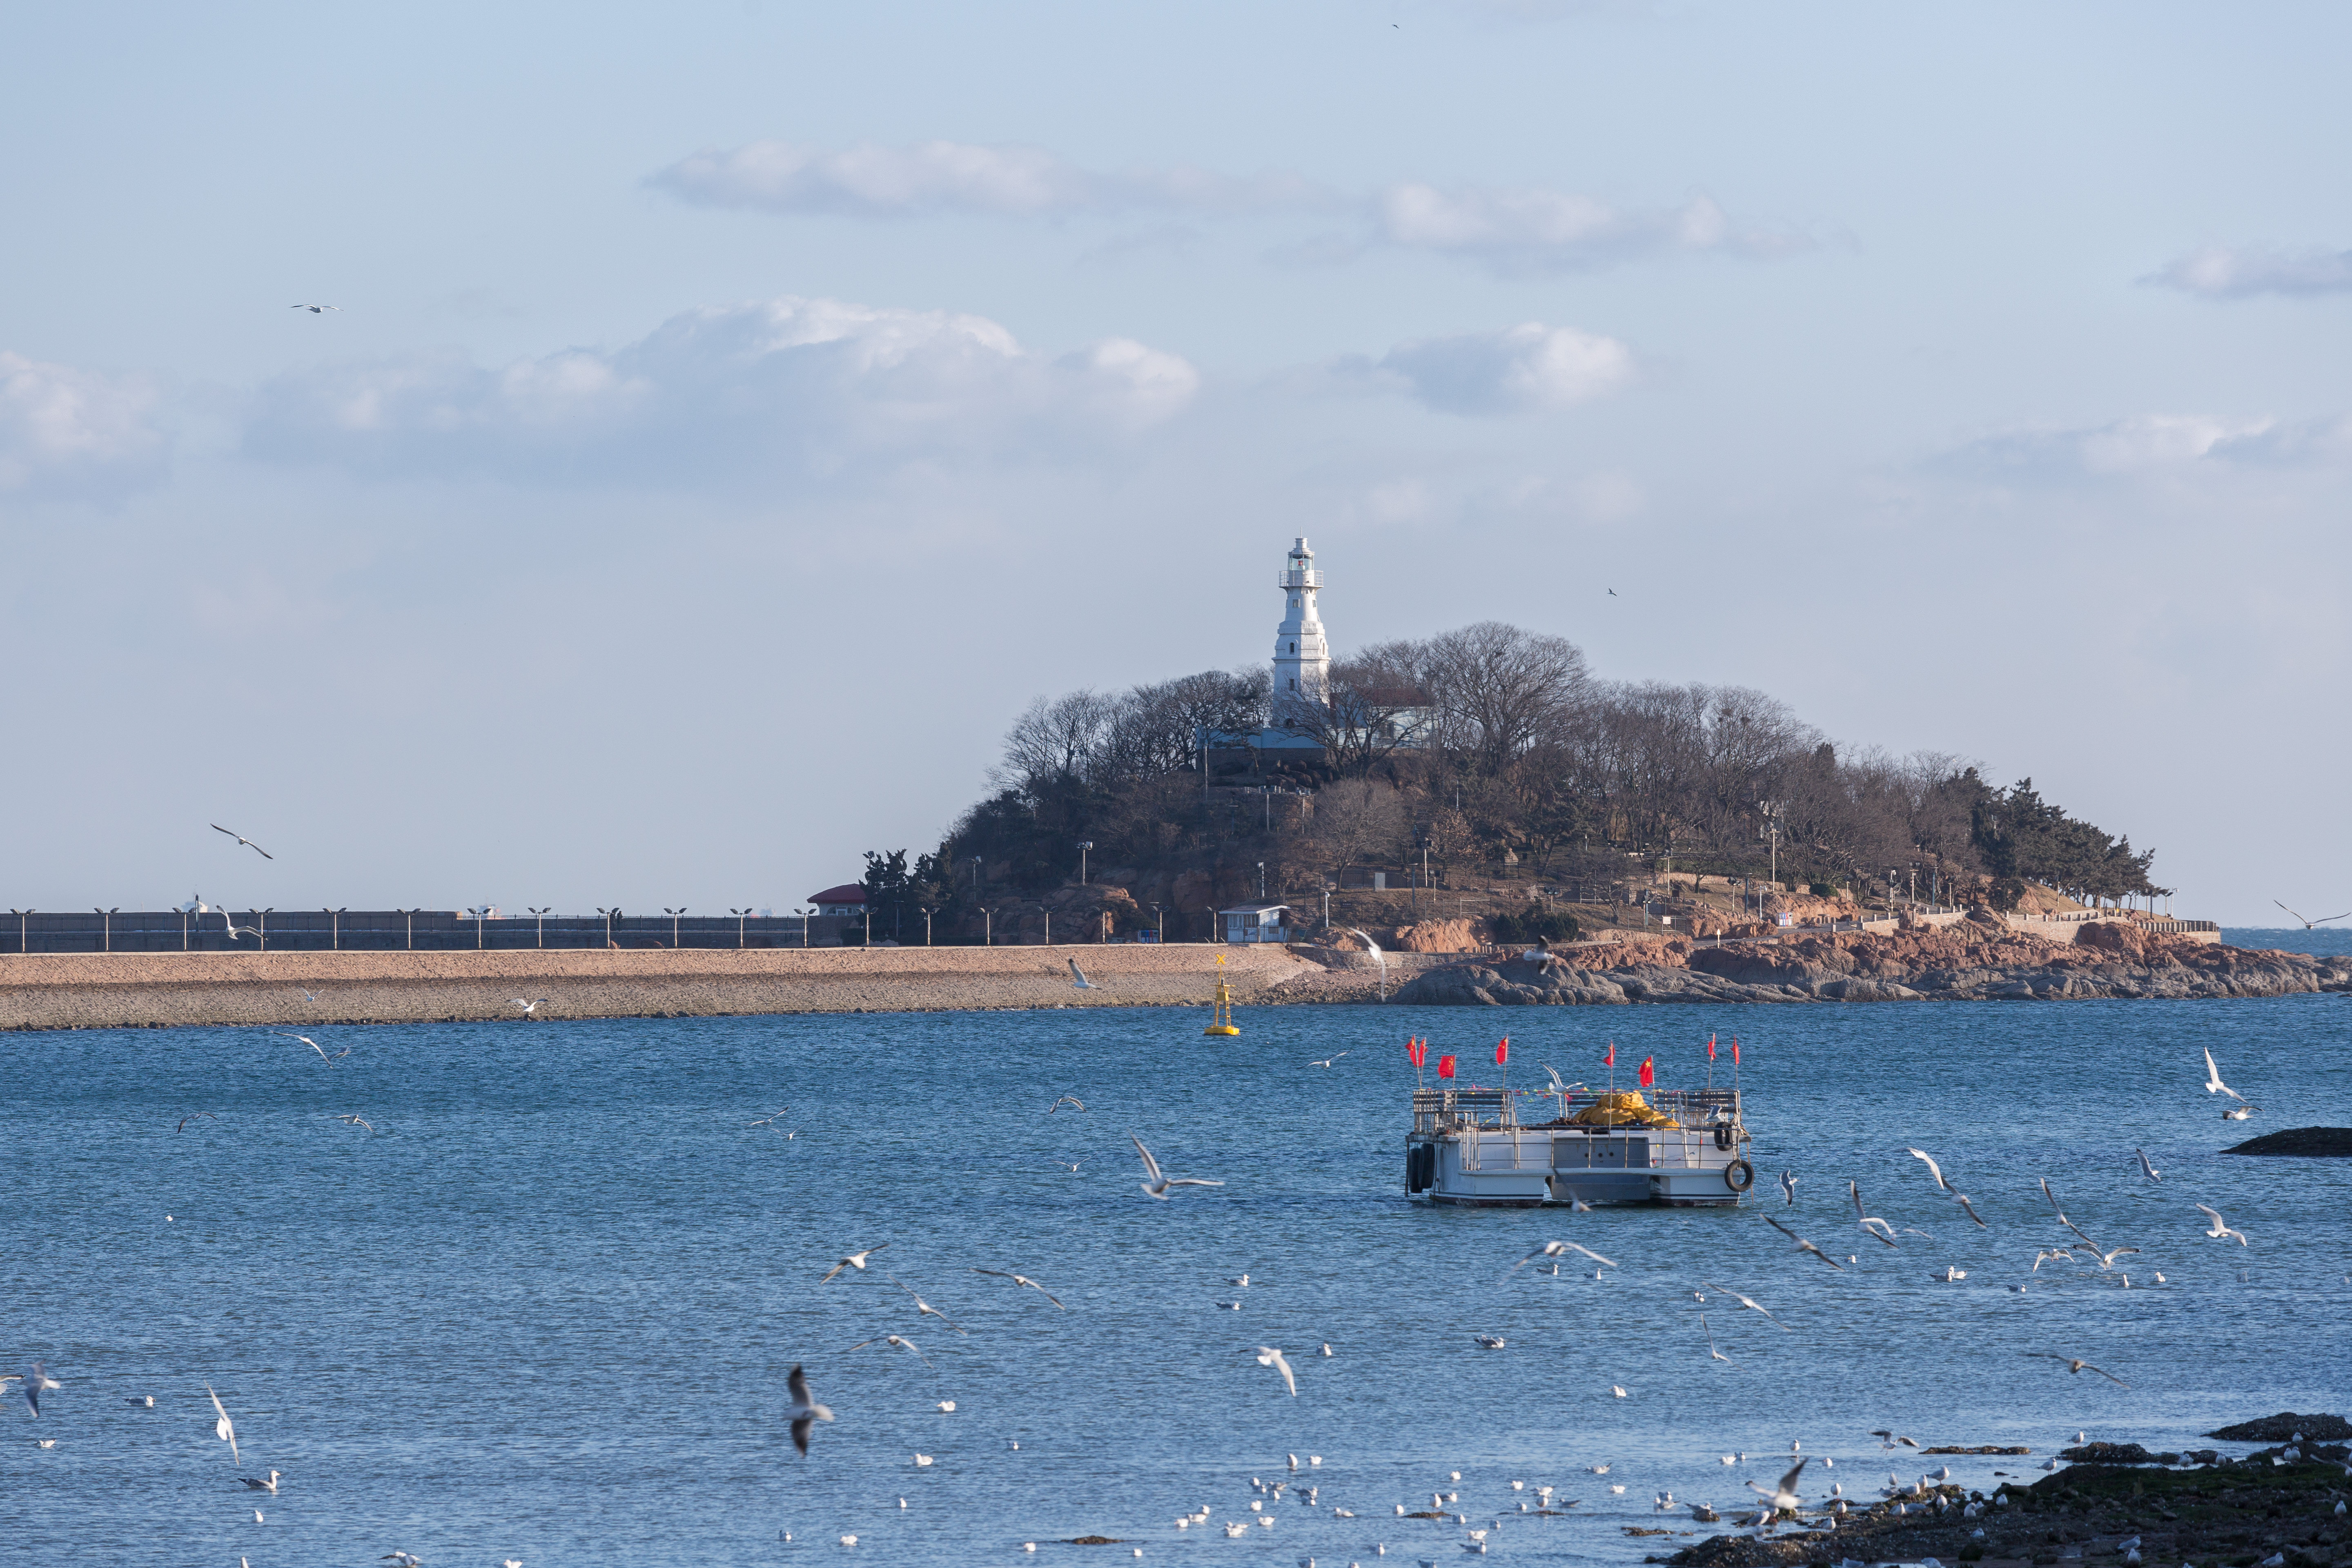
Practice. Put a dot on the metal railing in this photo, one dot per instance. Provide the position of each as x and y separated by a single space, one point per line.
388 930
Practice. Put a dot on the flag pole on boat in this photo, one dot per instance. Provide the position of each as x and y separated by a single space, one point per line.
1710 1061
1609 1061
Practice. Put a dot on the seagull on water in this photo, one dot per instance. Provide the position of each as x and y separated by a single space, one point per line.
144 1401
37 1382
1078 980
2214 1084
1269 1357
2078 1367
1560 1249
854 1260
1870 1222
1025 1280
1953 1193
1491 1341
269 1485
1950 1275
2150 1171
1802 1245
223 1429
1157 1185
895 1342
2221 1231
240 838
1749 1302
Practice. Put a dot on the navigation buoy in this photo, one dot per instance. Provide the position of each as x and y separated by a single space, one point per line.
1221 1014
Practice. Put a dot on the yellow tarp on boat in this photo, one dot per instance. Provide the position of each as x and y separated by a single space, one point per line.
1624 1109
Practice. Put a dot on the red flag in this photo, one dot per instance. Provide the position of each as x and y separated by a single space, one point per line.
1735 1050
1416 1051
1611 1060
1649 1075
1710 1047
1445 1067
1501 1052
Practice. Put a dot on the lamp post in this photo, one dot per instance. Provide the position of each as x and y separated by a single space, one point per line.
739 916
987 927
975 876
1084 844
927 925
261 927
1049 928
804 920
1161 919
542 916
673 914
482 917
183 931
335 927
20 915
869 907
608 915
105 922
412 927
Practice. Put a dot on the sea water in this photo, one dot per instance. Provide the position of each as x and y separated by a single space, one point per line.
546 1307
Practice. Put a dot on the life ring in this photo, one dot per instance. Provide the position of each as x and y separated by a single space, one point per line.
1739 1175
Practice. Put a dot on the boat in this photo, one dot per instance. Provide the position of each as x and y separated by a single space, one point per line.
1221 1012
1687 1148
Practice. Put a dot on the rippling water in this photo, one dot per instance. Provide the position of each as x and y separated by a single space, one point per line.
547 1311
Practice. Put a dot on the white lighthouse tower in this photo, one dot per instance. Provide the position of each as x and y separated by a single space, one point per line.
1302 659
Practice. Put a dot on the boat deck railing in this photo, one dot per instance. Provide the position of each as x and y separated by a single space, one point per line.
1693 1111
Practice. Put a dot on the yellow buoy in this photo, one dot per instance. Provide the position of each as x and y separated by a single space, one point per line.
1221 1017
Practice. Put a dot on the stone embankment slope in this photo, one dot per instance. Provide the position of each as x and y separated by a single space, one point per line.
1967 962
102 991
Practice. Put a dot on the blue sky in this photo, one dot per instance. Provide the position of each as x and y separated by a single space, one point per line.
735 414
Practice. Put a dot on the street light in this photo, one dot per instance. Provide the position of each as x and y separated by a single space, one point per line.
482 917
804 920
1158 915
1084 844
739 915
673 914
261 927
412 927
927 925
542 922
20 915
608 915
975 874
107 922
335 927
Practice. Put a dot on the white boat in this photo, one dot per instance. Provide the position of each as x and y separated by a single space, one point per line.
1685 1147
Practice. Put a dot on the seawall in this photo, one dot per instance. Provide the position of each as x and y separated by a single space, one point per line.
108 991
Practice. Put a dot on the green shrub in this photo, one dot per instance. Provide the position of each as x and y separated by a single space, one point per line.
1822 890
1535 921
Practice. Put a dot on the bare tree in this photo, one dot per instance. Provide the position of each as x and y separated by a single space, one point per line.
1053 742
1372 707
1498 690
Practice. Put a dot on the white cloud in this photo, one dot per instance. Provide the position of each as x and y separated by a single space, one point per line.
1516 369
65 430
788 384
2155 445
1526 228
2220 272
871 181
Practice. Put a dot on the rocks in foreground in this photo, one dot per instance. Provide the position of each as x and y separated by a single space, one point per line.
2309 1142
2264 1509
2286 1426
1960 962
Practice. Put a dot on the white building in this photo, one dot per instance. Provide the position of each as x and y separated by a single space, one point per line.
1302 659
1256 922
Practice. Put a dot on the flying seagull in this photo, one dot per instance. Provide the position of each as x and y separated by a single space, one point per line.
803 1411
1870 1222
897 1342
1326 1061
1713 1353
2214 1084
1789 1188
1560 1249
2074 1365
1782 1495
854 1260
248 843
2220 1231
1157 1185
530 1005
2324 920
2150 1171
314 310
37 1383
225 1429
2105 1255
1269 1357
1079 981
1069 1099
1956 1196
1752 1306
1023 1280
359 1121
192 1115
922 1309
306 1040
1802 1245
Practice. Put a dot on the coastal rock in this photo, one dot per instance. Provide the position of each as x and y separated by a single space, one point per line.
2308 1143
2284 1428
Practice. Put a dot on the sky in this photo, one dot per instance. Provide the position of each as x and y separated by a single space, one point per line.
733 414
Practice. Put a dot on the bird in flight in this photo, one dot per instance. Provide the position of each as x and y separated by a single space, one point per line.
1748 1303
803 1411
528 1006
248 843
1326 1061
2107 1257
2220 1231
1782 1495
895 1342
310 1042
1870 1222
1157 1185
1070 1166
2150 1171
1068 1099
1025 1280
1560 1249
2214 1084
37 1382
1802 1245
922 1309
1713 1353
193 1115
225 1429
314 310
359 1121
1269 1357
1079 981
1612 592
1955 1194
854 1260
1789 1188
2078 1367
2324 920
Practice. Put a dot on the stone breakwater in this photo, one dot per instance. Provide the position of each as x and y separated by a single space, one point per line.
110 991
1968 961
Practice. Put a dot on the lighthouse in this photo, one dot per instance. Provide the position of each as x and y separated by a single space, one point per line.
1302 659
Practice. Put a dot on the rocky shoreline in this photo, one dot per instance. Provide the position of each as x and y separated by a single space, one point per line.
2284 1507
1967 962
